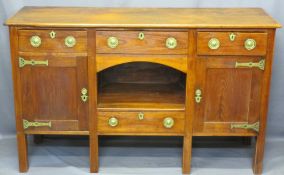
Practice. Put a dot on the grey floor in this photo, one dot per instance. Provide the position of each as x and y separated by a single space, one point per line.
143 156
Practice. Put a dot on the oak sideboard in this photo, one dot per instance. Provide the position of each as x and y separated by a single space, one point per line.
141 72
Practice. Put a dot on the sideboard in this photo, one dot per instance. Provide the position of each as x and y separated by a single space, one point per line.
141 72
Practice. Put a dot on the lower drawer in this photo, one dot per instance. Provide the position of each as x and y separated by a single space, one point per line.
141 123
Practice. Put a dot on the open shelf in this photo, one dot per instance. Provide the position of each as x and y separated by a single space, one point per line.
133 96
141 86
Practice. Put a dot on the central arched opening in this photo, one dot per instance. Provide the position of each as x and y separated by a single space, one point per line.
141 85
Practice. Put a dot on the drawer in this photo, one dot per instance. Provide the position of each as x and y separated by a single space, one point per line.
231 43
142 42
124 123
52 41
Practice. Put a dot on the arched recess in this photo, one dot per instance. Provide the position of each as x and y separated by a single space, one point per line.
178 62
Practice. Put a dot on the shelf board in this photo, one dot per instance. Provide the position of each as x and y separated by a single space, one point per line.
130 96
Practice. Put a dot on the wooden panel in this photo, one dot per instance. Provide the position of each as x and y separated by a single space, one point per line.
52 93
143 17
56 44
129 96
128 123
226 100
131 73
229 95
228 47
108 60
153 43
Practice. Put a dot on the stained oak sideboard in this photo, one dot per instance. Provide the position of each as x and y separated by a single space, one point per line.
141 72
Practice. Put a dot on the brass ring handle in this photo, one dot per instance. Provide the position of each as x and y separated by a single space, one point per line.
250 44
214 44
168 122
113 122
35 41
70 41
171 43
112 42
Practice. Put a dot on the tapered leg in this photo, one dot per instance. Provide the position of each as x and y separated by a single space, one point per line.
22 152
94 155
186 157
38 139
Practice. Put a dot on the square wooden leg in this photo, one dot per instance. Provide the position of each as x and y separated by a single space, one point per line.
22 152
259 154
186 157
94 155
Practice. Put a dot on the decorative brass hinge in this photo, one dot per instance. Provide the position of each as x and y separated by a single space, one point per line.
260 64
27 124
254 126
23 62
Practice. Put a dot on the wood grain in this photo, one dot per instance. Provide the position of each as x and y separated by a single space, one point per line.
228 47
56 44
230 95
92 102
105 61
128 122
153 43
141 96
265 91
143 17
51 93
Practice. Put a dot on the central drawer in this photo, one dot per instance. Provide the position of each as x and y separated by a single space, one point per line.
141 123
142 42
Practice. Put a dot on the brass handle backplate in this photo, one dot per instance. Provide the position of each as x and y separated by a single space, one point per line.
23 62
70 41
112 42
214 43
168 122
27 124
171 43
84 95
35 41
260 64
254 126
198 96
250 44
113 122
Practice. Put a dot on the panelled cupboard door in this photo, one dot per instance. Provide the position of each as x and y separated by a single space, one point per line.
51 89
227 95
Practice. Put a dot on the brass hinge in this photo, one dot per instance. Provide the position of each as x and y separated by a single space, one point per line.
23 62
254 126
27 124
260 64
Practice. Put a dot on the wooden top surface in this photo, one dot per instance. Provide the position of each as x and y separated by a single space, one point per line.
143 17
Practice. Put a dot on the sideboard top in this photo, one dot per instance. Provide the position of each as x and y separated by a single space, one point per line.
143 17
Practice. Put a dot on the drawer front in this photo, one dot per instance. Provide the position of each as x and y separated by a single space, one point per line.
142 42
152 123
52 41
231 43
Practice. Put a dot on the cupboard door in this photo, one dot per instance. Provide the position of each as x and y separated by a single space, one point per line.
51 93
230 96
